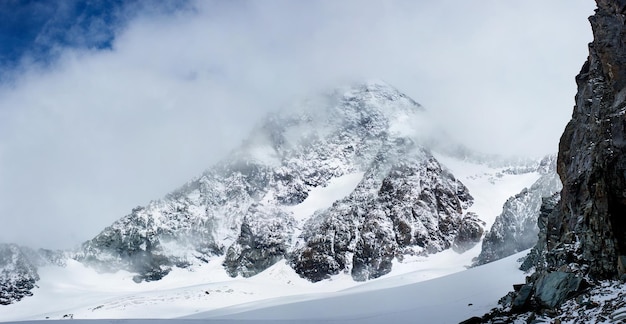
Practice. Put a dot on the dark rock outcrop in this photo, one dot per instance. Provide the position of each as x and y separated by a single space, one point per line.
554 288
470 232
522 298
589 227
265 238
412 206
18 270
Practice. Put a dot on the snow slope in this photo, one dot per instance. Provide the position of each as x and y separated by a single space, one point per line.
447 299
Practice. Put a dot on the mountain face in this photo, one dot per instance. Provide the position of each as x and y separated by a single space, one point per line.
342 183
516 228
252 207
409 207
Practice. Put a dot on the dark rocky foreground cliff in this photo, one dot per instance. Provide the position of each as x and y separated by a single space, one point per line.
590 221
582 244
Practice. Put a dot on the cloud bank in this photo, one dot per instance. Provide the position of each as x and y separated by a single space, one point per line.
101 130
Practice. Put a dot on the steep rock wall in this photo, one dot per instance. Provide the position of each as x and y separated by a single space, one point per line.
589 227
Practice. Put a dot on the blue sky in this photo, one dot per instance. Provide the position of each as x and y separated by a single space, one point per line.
37 31
105 105
35 28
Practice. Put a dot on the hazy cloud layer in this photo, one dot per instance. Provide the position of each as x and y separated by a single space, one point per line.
100 131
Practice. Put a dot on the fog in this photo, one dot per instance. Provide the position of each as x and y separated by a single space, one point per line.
95 132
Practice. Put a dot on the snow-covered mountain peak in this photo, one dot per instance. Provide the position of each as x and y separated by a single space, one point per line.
254 206
338 185
348 123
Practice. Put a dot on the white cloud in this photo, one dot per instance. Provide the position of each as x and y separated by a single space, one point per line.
99 132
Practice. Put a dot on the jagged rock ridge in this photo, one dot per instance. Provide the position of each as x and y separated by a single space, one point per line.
587 231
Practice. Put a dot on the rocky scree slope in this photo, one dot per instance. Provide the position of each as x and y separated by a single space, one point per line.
582 241
247 206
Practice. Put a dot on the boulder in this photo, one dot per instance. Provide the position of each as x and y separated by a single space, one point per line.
522 299
554 288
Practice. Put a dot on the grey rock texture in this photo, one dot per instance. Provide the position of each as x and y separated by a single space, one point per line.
516 228
412 206
589 228
553 288
522 299
264 239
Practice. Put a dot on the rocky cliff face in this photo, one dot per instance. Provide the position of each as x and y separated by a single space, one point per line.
412 206
589 227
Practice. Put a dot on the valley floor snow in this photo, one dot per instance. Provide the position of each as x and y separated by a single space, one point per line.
395 299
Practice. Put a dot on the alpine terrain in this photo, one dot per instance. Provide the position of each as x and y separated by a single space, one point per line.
579 261
342 188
